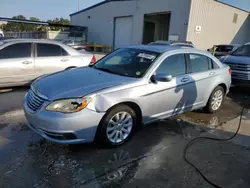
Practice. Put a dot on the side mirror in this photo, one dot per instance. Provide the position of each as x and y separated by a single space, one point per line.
162 77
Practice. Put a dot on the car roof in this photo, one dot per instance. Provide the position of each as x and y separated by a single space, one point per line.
227 45
70 50
161 48
32 40
161 42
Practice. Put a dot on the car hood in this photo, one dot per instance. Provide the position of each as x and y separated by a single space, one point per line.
236 59
77 83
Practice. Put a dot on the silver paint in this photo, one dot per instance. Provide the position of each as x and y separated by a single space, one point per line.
156 100
21 71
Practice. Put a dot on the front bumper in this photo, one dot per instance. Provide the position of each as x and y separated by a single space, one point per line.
63 128
242 83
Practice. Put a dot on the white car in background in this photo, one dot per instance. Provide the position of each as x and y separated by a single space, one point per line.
23 60
1 34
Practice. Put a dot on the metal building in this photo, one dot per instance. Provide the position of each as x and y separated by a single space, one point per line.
127 22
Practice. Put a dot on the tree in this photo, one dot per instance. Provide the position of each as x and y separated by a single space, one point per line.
33 27
60 21
13 26
20 27
24 27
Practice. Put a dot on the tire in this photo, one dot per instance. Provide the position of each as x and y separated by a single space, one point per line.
211 107
105 137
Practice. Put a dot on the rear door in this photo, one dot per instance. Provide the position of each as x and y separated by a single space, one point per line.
16 64
50 58
204 73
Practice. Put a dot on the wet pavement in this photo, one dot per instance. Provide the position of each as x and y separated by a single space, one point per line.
152 158
11 98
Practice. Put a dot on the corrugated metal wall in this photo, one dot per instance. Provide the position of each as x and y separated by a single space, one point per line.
100 19
217 26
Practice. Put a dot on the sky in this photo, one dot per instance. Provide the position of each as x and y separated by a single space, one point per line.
49 9
243 4
42 9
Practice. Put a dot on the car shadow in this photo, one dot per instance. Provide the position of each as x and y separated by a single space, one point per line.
6 90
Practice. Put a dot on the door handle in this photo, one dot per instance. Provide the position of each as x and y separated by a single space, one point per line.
184 80
26 62
211 73
64 60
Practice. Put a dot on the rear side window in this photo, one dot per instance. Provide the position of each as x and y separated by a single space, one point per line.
215 65
174 65
21 50
50 50
199 63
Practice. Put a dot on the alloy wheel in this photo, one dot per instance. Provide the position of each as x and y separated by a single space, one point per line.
217 100
119 127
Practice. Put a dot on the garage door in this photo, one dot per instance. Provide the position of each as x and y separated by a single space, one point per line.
123 31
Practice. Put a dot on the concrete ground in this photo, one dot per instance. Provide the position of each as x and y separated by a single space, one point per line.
152 158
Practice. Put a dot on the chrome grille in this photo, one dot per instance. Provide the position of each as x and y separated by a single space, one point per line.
34 102
238 66
238 75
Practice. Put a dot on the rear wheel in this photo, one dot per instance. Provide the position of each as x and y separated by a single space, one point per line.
216 99
117 126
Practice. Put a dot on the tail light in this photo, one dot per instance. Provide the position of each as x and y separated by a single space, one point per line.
93 60
230 71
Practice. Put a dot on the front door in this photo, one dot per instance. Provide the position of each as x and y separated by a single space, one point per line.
166 99
16 64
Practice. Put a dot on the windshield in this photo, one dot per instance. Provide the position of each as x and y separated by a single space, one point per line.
242 51
127 62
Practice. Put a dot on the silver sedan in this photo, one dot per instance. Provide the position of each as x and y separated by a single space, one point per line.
129 87
24 60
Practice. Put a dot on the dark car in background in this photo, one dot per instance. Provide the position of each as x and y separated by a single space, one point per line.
174 43
239 61
222 50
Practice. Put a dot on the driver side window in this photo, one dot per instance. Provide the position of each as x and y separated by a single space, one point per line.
174 65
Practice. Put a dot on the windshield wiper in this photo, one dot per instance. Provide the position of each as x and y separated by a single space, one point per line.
104 69
110 71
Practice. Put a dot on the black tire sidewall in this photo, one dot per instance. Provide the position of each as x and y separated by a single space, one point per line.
101 131
209 105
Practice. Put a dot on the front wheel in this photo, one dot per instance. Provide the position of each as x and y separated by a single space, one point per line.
216 99
117 126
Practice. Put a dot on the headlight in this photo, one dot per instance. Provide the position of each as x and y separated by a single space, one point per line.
68 105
